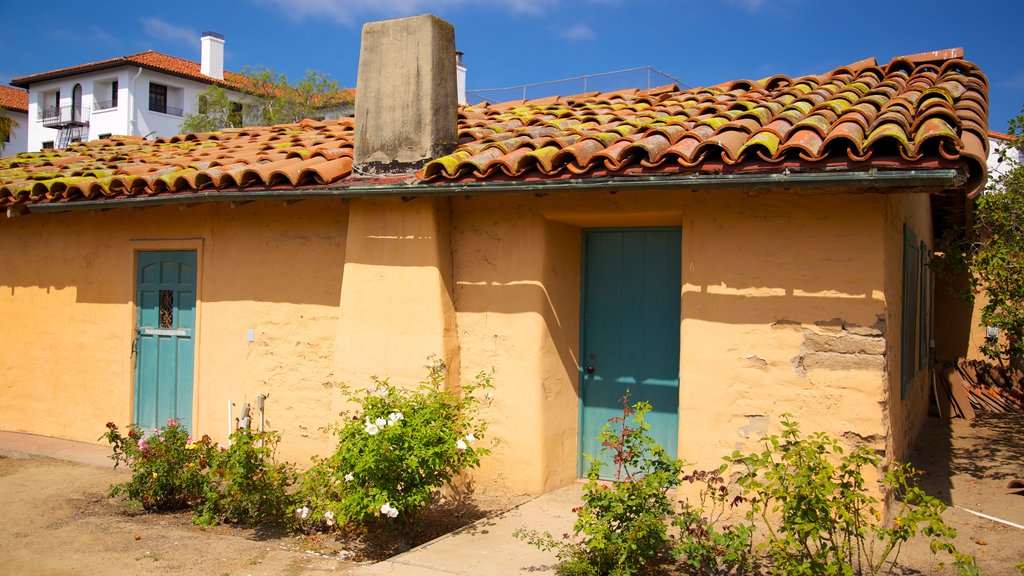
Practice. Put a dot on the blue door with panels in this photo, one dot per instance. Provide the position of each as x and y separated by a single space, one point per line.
164 348
630 333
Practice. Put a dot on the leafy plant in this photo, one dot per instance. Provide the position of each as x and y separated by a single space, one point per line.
991 255
812 499
621 528
168 467
245 485
262 97
394 453
706 544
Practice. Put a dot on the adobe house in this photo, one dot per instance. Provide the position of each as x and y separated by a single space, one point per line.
730 253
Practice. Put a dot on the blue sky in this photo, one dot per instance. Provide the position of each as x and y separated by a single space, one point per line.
515 42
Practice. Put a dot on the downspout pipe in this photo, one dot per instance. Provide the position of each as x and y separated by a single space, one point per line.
871 180
133 124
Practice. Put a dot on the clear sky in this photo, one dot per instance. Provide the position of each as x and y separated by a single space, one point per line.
515 42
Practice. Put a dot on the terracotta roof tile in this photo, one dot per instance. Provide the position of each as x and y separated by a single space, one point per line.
909 112
148 59
14 99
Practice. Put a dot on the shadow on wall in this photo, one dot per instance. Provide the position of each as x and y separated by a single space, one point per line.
263 251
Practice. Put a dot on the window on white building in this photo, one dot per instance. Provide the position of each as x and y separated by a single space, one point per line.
166 99
49 104
104 92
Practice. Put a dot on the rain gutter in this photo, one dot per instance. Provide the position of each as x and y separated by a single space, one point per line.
943 178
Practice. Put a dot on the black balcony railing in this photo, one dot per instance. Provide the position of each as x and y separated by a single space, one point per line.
105 104
57 116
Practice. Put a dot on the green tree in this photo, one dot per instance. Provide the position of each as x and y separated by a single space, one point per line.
997 259
264 98
992 254
7 126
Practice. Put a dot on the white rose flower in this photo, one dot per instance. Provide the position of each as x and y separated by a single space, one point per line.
381 423
470 438
329 518
349 477
372 429
302 513
387 510
489 396
461 444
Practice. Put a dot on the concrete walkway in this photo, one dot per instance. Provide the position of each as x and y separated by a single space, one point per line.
19 445
485 547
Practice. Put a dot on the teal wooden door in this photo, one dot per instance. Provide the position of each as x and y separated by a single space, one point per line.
630 332
164 348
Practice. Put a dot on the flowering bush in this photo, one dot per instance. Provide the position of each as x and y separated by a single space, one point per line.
168 466
245 485
392 455
620 529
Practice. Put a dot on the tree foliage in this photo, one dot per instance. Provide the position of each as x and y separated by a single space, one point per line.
264 98
997 261
993 253
7 126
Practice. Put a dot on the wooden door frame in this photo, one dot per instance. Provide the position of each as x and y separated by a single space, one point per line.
161 245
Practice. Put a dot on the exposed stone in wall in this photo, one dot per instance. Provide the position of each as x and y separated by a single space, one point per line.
839 345
756 428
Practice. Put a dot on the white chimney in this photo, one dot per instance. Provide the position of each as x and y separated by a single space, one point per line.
460 78
211 62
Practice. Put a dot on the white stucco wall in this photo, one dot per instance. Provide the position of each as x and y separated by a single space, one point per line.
132 103
19 136
997 146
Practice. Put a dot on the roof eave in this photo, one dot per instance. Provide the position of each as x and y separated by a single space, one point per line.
26 81
870 181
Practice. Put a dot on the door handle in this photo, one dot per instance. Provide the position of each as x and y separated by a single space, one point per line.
590 369
135 344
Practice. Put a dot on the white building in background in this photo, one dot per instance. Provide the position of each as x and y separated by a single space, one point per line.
145 94
1001 155
14 105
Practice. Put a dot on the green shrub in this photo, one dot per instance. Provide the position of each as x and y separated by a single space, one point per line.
168 467
706 544
820 518
245 485
621 528
394 453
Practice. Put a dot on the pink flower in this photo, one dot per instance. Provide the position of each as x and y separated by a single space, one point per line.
143 446
170 421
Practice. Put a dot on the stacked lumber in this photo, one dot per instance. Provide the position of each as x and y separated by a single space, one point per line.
963 387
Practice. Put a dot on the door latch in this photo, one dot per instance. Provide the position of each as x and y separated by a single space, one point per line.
135 344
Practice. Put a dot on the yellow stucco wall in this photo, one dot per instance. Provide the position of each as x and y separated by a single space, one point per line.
66 307
907 412
786 300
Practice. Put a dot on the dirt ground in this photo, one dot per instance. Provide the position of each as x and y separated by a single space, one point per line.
967 465
56 518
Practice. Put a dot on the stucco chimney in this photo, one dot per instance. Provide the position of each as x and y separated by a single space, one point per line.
460 78
406 110
211 62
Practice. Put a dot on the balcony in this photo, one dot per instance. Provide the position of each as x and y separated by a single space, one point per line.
64 116
104 105
169 110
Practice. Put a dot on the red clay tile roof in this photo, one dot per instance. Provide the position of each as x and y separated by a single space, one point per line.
859 111
148 59
910 113
13 98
